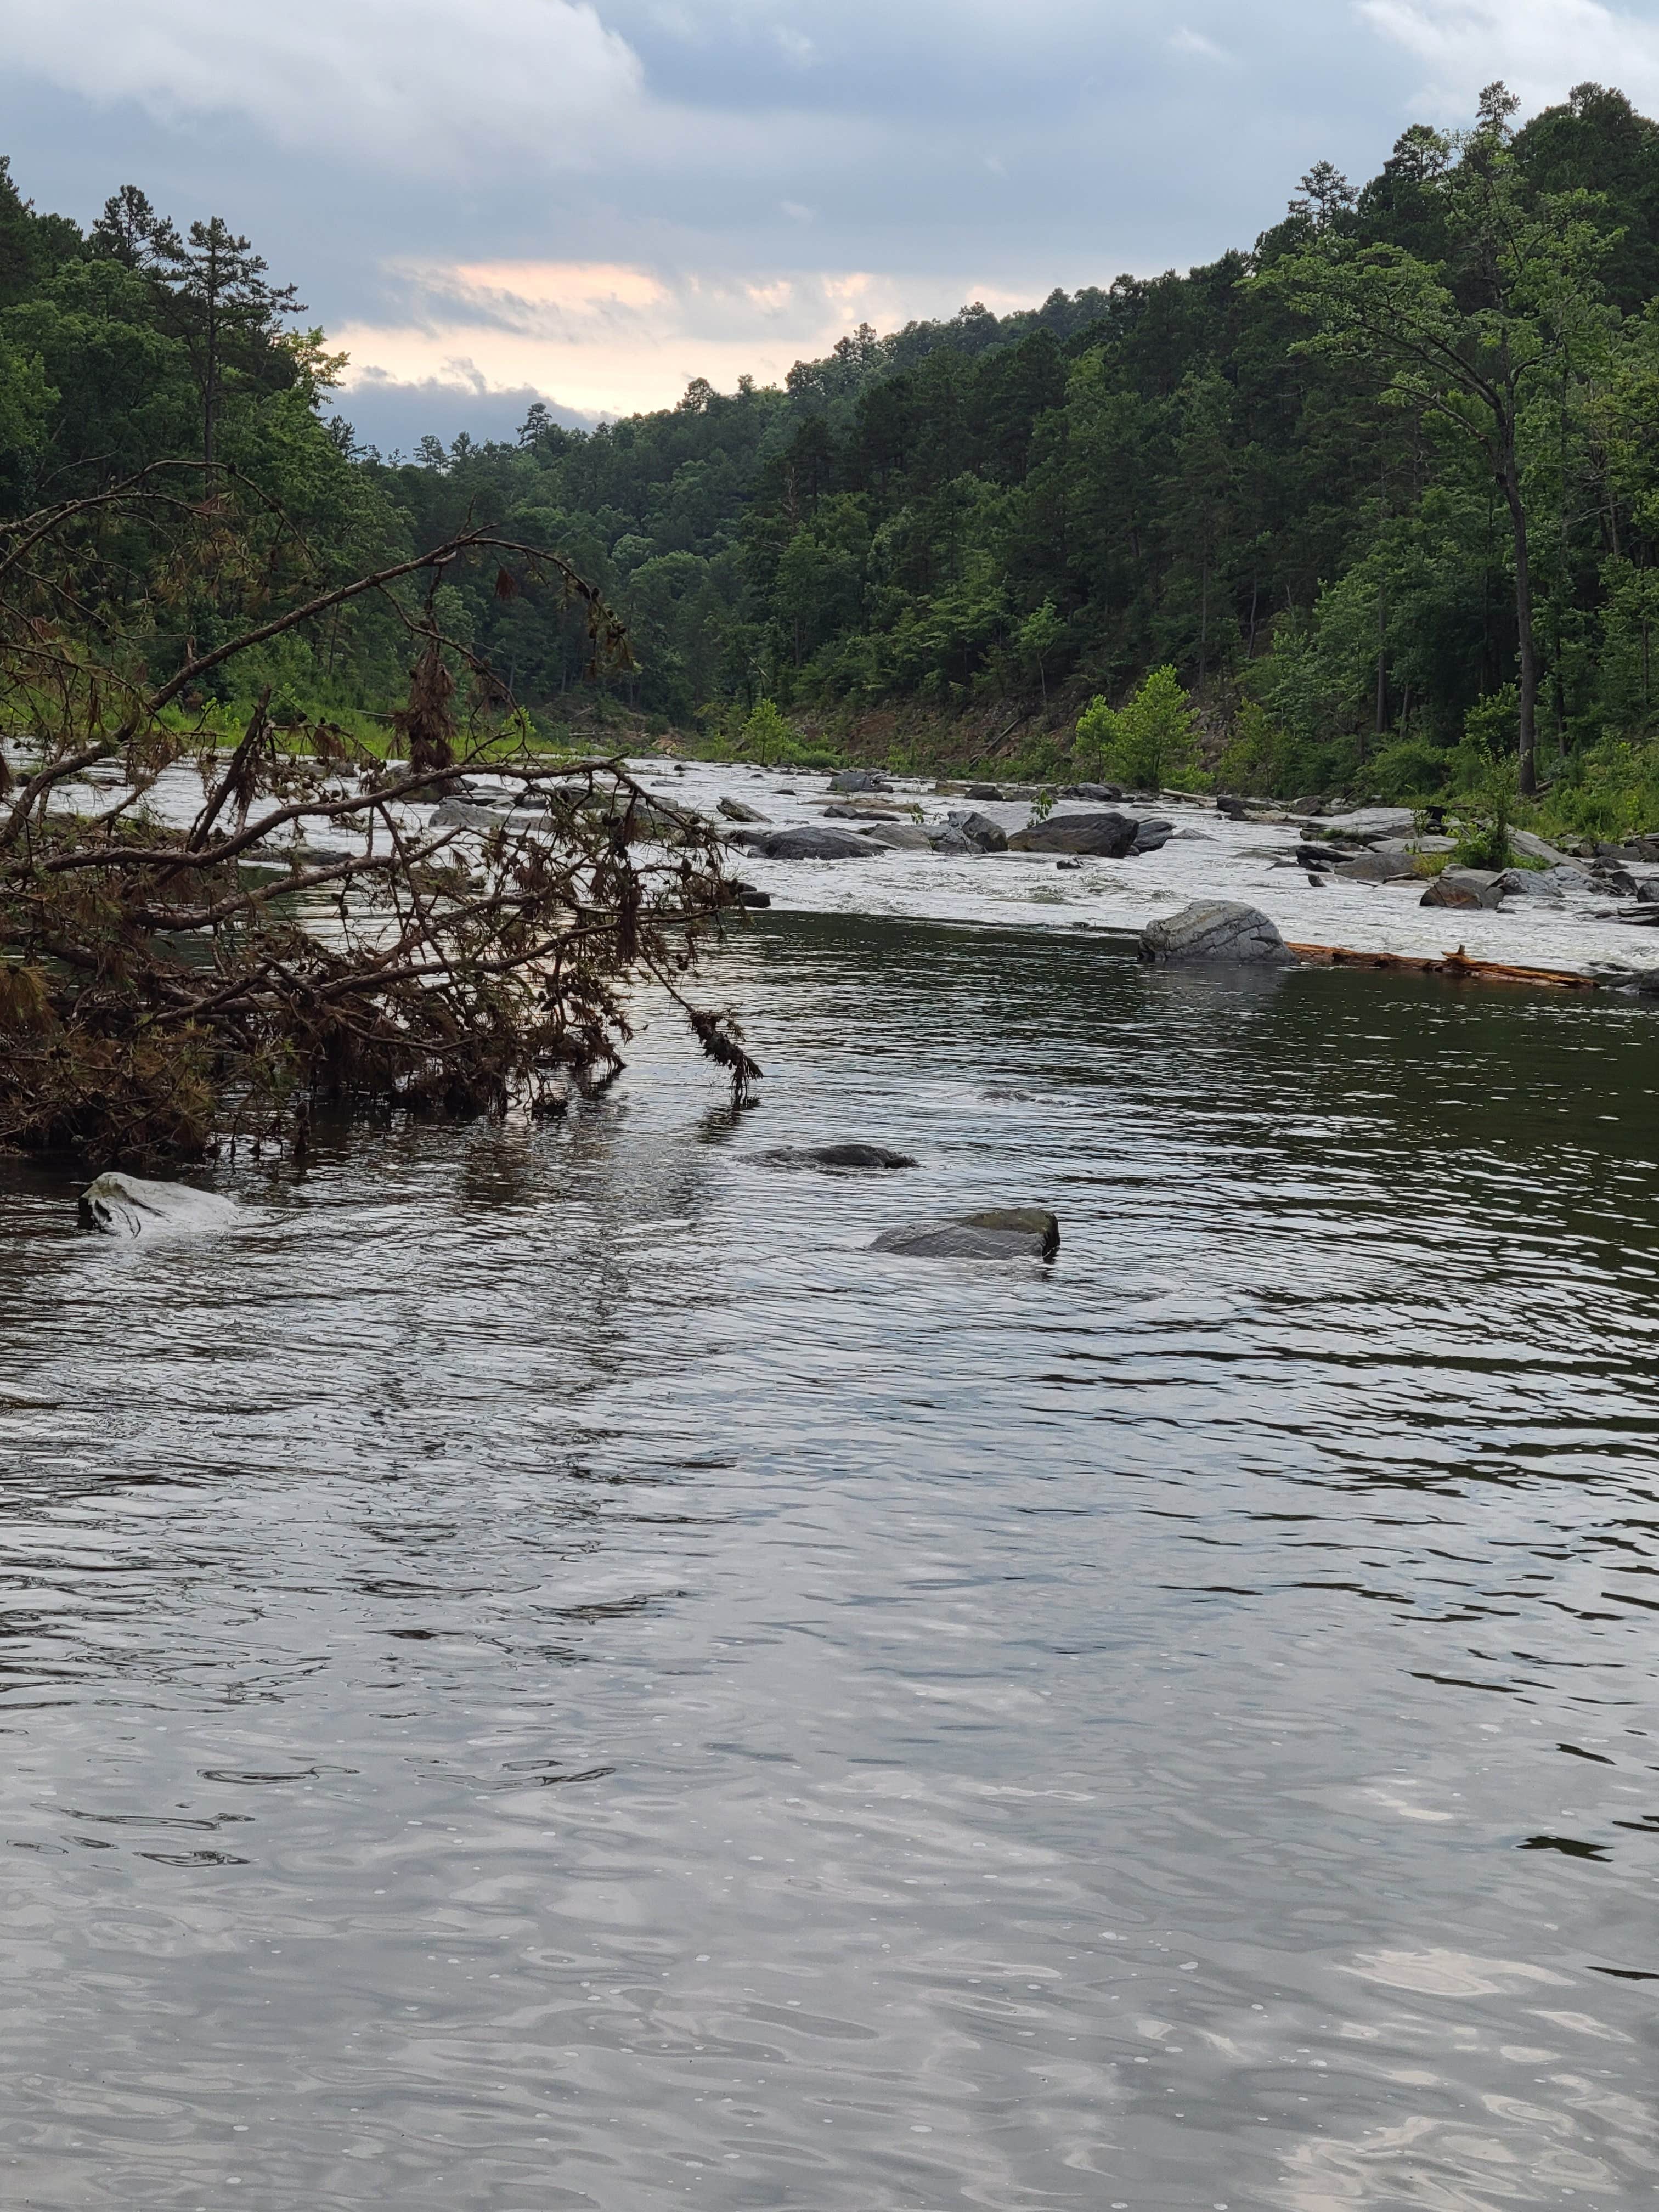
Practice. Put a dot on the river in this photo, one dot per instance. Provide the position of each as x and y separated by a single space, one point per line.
539 1674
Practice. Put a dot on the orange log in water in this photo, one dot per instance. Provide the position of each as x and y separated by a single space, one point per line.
1458 965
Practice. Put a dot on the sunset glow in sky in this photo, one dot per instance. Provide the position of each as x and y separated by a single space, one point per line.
485 201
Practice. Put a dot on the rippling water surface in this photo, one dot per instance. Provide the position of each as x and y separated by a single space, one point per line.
539 1674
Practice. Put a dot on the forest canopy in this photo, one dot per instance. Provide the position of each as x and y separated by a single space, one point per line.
1381 487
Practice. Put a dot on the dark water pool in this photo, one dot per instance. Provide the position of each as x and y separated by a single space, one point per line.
540 1674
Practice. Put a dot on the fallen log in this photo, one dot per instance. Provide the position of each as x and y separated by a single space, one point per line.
1458 965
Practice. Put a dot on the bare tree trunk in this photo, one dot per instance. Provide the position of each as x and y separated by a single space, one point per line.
1527 647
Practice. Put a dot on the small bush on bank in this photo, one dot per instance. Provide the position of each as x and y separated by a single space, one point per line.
1148 744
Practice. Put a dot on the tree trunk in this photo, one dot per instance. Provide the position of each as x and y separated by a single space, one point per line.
1510 477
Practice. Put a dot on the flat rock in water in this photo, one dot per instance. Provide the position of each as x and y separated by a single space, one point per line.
1533 847
858 779
127 1205
862 810
735 810
805 844
1377 867
998 1233
901 836
983 791
837 1156
1464 887
1096 790
1108 837
1217 932
1368 821
463 814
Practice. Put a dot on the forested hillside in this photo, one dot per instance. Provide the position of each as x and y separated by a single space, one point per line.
1382 488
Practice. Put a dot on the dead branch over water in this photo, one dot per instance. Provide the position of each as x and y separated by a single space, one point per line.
311 933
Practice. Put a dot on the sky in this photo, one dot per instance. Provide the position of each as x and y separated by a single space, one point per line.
591 202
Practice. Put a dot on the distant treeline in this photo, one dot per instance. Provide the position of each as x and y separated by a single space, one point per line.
1382 488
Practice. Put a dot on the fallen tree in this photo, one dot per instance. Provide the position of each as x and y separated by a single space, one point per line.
199 943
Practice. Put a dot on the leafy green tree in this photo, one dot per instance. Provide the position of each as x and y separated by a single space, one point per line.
227 314
1150 743
1475 341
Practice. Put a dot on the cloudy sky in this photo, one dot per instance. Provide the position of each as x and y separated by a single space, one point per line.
597 200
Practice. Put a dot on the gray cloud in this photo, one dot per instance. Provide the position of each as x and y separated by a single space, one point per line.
742 153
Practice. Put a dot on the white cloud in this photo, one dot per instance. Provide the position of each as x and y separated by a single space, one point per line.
1539 47
404 81
1188 41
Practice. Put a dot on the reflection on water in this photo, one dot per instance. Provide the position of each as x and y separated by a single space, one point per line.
539 1674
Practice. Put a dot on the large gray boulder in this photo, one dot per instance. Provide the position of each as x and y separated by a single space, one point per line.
1096 790
1550 884
858 779
805 844
950 840
984 791
980 830
999 1233
1465 887
1219 932
127 1205
735 810
1153 834
1107 836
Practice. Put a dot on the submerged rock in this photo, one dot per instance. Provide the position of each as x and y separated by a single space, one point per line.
999 1233
858 779
1465 887
127 1205
805 844
1108 837
1217 931
983 791
837 1156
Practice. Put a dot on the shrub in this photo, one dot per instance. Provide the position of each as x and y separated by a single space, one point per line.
1149 742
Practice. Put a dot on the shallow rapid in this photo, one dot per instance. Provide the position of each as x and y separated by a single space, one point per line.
539 1672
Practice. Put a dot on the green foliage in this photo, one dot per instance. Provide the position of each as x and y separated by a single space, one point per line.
1408 770
767 737
1482 822
1149 744
1283 484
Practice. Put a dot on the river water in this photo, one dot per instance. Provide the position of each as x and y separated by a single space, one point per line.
539 1674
